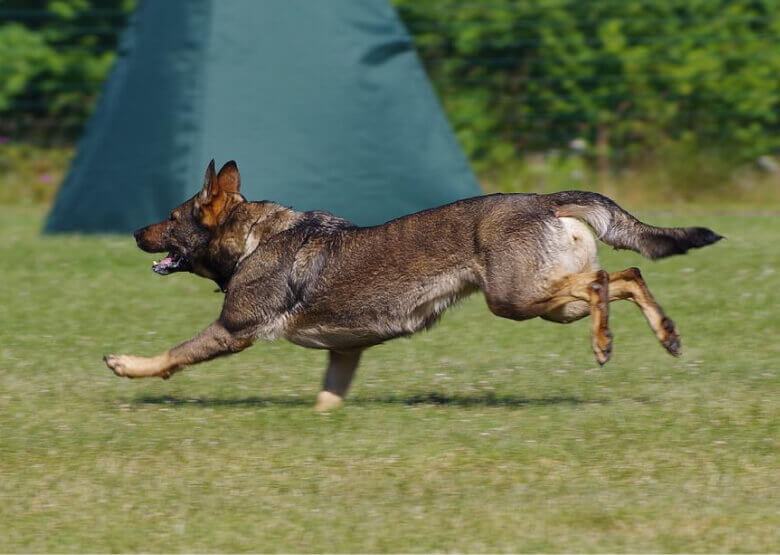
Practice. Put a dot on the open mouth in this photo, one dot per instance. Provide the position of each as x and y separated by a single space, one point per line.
171 263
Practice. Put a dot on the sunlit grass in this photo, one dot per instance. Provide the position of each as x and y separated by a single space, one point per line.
481 435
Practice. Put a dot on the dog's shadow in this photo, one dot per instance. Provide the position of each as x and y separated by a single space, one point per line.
429 398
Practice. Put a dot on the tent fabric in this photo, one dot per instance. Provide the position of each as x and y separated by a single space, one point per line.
323 105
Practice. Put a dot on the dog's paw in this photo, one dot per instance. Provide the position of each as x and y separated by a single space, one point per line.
129 366
602 346
117 364
327 401
670 337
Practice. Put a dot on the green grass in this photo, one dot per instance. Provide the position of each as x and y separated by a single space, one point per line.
480 435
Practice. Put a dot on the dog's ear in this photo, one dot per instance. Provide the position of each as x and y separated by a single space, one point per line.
219 191
209 184
229 179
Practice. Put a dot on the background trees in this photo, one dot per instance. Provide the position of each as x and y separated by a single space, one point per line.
621 81
628 76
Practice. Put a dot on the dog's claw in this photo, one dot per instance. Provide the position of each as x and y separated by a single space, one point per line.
110 361
671 341
602 347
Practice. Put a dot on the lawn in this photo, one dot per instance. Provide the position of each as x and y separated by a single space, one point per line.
480 435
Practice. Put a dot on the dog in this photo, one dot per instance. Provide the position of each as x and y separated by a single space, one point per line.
321 282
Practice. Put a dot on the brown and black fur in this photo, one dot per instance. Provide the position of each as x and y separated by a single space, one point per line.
322 282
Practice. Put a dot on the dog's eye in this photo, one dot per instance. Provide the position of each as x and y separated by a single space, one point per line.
173 216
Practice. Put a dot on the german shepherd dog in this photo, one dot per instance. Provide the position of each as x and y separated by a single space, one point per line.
321 282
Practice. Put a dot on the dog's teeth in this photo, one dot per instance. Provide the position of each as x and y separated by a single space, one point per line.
155 262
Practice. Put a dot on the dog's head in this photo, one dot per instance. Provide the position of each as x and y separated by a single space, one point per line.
189 231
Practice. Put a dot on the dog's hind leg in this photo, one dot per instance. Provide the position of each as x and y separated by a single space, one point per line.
598 299
338 377
578 295
629 284
567 303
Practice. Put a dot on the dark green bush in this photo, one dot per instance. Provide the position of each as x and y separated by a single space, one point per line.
629 76
631 80
54 57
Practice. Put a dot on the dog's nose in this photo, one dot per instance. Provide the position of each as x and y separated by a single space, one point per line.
137 234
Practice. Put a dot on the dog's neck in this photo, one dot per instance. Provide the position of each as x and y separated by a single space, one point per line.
246 226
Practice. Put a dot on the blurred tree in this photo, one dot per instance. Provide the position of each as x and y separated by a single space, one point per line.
626 75
631 77
54 56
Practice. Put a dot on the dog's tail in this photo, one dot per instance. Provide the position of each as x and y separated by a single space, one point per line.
618 228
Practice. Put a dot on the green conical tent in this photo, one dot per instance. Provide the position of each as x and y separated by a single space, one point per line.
323 104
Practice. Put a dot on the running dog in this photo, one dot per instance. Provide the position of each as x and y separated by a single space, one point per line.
321 282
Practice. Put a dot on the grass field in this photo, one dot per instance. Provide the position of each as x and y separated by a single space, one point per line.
481 435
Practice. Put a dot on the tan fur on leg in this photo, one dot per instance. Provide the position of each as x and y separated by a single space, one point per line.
328 401
129 366
601 337
593 288
629 284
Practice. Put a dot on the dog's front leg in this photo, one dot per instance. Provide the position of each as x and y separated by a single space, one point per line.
214 341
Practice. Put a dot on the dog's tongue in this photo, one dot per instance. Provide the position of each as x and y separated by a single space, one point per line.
164 266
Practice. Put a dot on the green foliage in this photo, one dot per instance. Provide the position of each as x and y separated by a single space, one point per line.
29 52
625 75
636 79
54 56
